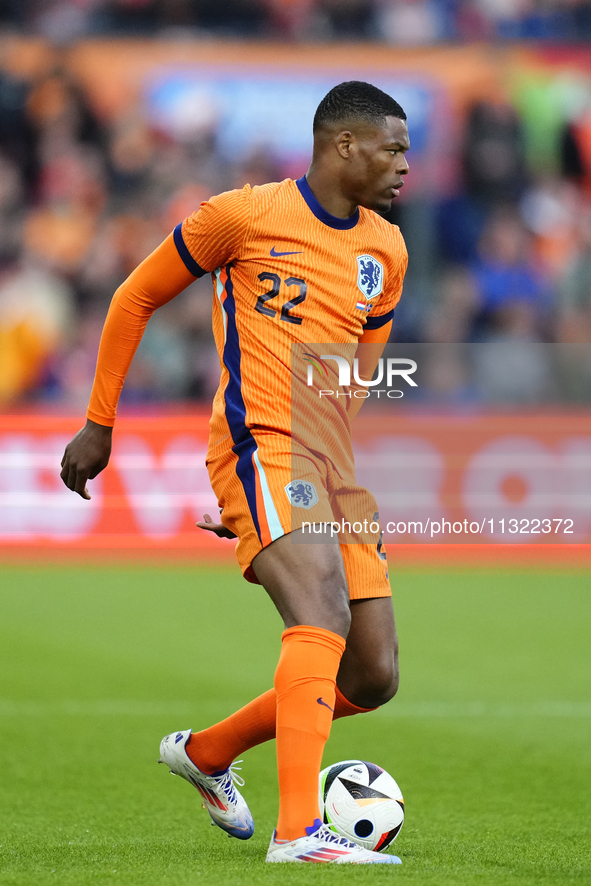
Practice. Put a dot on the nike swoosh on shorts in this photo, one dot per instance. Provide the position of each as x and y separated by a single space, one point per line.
319 700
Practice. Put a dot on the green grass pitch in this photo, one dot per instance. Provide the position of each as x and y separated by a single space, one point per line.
489 737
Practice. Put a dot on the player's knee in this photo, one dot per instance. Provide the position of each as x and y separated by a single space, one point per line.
381 684
390 684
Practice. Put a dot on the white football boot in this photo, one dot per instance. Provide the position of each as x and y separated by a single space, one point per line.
322 845
224 803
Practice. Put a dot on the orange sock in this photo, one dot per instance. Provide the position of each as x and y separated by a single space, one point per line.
305 682
214 749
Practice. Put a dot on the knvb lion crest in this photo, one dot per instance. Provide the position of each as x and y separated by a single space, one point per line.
301 494
370 276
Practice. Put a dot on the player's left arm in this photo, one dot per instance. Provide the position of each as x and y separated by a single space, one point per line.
374 341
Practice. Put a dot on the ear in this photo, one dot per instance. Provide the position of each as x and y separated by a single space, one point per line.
344 142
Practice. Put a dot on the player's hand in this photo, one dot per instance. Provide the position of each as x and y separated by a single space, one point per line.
220 530
86 456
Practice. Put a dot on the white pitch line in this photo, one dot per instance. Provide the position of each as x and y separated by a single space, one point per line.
108 708
484 709
395 710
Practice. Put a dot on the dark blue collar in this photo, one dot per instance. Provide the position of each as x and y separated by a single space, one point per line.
333 221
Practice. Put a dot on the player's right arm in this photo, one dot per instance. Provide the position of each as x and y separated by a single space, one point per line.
210 237
161 277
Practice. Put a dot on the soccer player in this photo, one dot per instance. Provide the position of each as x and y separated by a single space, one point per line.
293 263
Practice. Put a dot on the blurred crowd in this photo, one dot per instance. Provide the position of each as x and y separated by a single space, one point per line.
395 21
505 257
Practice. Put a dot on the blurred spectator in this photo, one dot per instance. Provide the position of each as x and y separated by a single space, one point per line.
62 21
12 193
577 20
451 317
127 16
574 291
576 150
551 211
257 169
13 12
412 22
69 370
493 173
511 365
447 376
176 358
160 370
494 163
232 17
346 19
35 318
514 299
131 151
61 228
83 199
512 368
18 141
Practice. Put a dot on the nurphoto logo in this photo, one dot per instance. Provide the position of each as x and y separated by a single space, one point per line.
388 371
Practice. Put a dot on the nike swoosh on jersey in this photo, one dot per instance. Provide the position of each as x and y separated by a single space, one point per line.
277 254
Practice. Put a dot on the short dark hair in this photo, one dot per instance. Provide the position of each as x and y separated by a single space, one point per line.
356 100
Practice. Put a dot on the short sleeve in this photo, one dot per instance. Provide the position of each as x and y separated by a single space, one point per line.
383 310
213 235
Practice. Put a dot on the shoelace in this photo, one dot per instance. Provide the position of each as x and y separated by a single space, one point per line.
325 833
230 778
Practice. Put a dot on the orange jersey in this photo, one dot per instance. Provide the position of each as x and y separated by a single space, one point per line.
289 278
285 272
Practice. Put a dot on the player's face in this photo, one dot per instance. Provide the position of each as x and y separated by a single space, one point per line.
378 162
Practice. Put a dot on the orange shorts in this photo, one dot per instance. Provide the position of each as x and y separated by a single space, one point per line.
267 487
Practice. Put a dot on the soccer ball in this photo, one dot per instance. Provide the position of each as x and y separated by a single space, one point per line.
361 802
